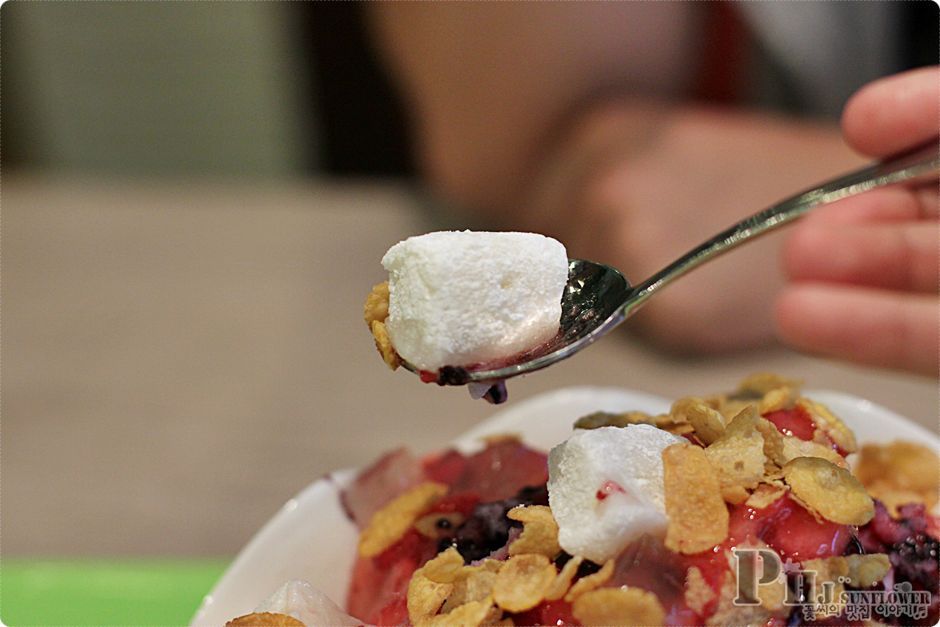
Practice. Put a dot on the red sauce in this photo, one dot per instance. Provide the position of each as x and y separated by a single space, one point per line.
430 376
609 487
556 613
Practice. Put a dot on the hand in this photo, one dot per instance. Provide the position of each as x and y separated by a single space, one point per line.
639 199
864 271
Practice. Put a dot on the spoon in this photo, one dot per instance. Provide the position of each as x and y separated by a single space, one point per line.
597 298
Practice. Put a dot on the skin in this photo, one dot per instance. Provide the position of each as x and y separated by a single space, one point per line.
863 273
528 124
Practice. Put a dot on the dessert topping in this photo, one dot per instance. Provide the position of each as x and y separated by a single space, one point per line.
698 516
389 524
619 606
539 531
828 491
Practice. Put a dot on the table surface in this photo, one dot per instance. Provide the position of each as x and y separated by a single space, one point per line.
180 358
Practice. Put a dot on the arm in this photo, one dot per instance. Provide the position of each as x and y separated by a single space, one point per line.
493 85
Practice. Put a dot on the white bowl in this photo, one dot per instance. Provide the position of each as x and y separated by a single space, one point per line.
311 538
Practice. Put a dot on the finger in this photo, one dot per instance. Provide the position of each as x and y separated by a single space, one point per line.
893 113
870 327
889 256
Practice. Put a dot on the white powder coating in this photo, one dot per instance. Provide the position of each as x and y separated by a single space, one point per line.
631 458
307 604
457 298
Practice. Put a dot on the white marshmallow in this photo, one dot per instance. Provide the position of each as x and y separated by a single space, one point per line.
627 461
307 604
457 298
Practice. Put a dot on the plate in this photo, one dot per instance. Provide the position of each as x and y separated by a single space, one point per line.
310 538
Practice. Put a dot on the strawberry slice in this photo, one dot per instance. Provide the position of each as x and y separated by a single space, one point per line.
789 529
795 421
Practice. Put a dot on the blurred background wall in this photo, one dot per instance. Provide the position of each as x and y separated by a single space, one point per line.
195 88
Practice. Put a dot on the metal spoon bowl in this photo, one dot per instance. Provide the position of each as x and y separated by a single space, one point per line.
598 298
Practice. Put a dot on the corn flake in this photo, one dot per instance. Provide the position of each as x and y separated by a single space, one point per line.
830 424
772 594
760 383
474 583
899 473
707 423
794 447
591 582
765 495
729 613
539 531
893 498
470 614
264 619
618 606
563 580
376 307
522 582
834 571
672 424
777 399
425 597
698 594
738 456
698 517
390 523
867 570
829 491
383 343
607 419
445 567
729 406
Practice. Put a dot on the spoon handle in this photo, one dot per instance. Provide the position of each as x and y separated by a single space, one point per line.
921 163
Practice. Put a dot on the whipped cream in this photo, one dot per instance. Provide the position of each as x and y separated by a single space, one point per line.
605 488
457 298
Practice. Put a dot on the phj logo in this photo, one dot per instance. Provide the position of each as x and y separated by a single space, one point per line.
762 577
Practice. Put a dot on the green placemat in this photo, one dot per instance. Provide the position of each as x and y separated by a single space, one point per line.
104 592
